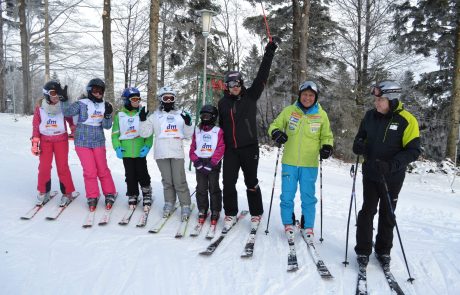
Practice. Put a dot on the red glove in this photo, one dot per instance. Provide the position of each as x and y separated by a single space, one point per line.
35 146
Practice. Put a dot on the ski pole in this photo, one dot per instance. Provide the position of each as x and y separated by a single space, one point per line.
410 279
266 23
321 197
273 187
353 196
352 174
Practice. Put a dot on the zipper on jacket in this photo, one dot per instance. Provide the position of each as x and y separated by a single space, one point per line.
386 130
300 141
233 129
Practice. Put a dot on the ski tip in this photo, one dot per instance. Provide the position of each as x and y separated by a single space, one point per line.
50 218
205 253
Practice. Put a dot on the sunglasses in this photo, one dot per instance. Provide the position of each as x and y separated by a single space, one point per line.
232 84
167 98
134 99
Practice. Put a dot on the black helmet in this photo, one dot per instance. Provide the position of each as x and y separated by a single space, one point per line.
233 76
206 119
89 88
51 85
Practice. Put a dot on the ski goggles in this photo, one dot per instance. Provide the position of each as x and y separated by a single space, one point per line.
135 99
388 93
97 90
231 84
376 91
50 92
206 116
168 98
308 85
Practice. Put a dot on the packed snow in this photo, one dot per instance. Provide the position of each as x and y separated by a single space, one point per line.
39 256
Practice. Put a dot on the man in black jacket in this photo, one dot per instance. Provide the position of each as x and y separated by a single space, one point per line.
237 118
389 139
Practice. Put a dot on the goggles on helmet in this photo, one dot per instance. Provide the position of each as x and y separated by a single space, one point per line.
308 85
134 99
206 116
231 84
50 92
168 98
388 93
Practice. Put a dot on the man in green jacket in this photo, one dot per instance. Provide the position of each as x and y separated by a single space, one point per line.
132 148
305 130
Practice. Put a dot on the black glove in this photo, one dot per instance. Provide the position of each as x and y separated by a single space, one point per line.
108 110
271 46
198 164
63 94
143 114
279 136
187 118
325 151
359 147
383 167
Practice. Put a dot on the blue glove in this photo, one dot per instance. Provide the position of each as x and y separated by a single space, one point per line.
144 151
119 151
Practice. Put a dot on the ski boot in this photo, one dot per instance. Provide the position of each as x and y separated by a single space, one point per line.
167 209
215 217
147 196
202 216
65 200
229 222
43 198
255 220
133 201
363 260
384 259
185 212
92 203
109 200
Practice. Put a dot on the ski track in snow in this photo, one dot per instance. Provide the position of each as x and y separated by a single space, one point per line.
60 257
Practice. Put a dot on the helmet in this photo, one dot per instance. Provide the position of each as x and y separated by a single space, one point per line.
51 85
233 76
166 90
211 110
89 88
389 89
309 85
128 93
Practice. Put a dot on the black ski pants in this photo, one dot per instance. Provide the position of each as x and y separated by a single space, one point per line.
246 158
136 173
209 183
373 194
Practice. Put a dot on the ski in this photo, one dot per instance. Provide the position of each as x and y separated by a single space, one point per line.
198 227
61 207
211 232
128 215
89 219
107 212
249 247
320 266
32 212
159 225
183 225
292 264
213 246
394 286
145 214
361 284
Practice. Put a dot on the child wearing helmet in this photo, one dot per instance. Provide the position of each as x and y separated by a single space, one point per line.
206 152
303 124
50 138
170 127
132 148
94 115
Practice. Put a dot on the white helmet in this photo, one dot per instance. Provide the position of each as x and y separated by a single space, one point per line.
389 89
163 91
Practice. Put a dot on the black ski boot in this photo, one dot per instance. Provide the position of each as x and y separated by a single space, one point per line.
384 259
133 200
146 196
363 260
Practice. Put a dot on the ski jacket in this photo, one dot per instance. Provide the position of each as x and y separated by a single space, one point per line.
307 132
132 146
86 135
220 147
393 137
37 120
166 146
237 114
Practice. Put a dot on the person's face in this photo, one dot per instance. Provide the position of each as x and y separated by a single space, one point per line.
135 101
97 91
54 97
382 104
234 87
307 98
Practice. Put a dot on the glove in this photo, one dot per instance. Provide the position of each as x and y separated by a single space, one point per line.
143 114
187 118
359 146
383 167
271 46
279 136
119 152
325 151
144 151
35 146
63 94
198 165
108 110
206 169
72 132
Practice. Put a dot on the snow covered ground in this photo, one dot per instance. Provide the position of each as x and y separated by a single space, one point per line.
60 257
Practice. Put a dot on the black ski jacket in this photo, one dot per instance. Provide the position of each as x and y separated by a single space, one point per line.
237 114
393 137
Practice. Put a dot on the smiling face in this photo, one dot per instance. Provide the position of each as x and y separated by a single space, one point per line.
307 98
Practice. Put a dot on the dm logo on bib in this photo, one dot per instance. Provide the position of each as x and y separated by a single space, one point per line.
97 114
206 147
171 128
206 138
170 119
51 123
